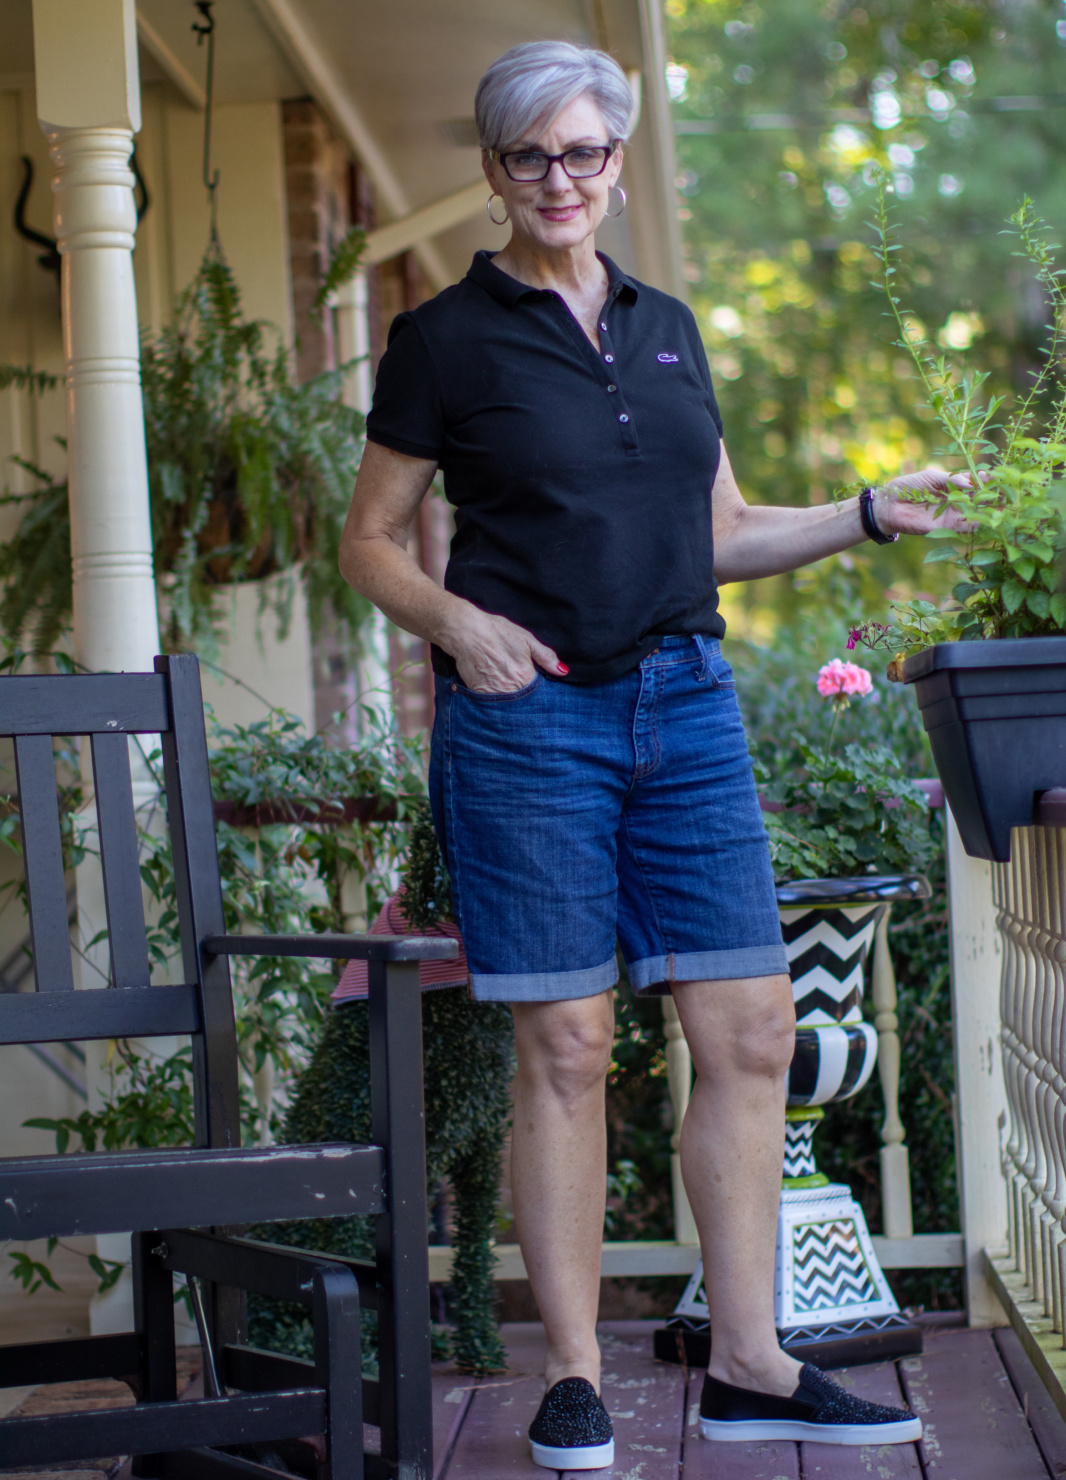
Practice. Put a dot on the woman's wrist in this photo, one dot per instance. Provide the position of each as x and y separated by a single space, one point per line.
873 514
452 632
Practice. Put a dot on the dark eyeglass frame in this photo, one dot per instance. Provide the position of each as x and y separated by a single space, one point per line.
549 159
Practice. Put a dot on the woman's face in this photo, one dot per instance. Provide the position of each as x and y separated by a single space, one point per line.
558 213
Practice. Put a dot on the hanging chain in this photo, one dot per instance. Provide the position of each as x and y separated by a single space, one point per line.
203 29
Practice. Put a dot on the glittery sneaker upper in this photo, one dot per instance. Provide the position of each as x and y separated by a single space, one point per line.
837 1405
571 1414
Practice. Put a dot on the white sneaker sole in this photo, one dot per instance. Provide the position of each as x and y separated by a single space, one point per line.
748 1431
583 1457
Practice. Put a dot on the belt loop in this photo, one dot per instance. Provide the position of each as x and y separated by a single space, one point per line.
704 672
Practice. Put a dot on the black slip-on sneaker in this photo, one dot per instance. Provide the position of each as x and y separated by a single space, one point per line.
572 1430
820 1411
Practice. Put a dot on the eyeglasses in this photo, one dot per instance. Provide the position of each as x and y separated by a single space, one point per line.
582 163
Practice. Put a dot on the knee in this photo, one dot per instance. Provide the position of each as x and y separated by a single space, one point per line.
765 1041
569 1062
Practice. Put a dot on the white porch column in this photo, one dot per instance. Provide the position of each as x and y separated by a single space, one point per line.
88 104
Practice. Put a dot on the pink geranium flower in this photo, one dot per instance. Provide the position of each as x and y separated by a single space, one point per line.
838 679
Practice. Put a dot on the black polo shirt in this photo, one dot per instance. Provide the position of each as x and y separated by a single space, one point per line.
581 480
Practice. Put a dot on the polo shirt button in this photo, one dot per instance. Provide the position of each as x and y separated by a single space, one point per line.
623 417
455 688
609 359
604 328
612 387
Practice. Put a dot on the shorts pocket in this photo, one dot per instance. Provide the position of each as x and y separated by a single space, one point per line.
481 697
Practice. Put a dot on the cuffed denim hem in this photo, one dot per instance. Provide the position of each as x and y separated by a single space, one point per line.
652 976
545 986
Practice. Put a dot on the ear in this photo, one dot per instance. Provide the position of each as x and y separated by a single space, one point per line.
489 167
614 165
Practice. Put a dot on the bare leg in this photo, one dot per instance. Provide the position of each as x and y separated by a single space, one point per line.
559 1169
741 1035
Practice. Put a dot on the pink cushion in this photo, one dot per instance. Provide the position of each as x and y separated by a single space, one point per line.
392 921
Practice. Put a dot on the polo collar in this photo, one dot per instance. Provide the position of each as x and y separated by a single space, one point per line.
509 291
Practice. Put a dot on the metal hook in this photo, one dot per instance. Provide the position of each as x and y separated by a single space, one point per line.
50 259
203 29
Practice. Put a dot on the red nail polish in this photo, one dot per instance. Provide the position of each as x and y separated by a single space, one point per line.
563 668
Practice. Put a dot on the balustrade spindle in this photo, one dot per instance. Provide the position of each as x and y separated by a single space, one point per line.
897 1216
1031 914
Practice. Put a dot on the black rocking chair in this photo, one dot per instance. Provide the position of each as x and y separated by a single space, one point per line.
186 1206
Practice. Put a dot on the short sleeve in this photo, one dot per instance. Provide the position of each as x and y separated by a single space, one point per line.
407 414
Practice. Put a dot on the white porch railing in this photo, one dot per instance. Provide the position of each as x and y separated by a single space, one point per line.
1029 1276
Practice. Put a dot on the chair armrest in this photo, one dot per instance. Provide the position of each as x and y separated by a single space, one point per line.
338 947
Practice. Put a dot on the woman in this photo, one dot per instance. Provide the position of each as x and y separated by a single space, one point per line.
589 775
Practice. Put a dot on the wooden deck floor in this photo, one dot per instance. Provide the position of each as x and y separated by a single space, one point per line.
986 1415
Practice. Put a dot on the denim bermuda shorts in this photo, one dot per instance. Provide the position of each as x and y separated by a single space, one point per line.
574 817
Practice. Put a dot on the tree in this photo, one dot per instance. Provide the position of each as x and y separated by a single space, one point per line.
815 395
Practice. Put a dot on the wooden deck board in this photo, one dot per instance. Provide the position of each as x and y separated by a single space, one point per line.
878 1384
646 1401
971 1389
975 1428
492 1441
1047 1424
705 1459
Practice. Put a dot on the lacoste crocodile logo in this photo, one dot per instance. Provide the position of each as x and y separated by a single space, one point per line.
667 359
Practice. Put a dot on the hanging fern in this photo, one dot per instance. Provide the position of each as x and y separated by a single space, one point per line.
25 378
35 571
249 475
342 266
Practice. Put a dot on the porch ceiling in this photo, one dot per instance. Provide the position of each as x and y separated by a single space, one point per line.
408 67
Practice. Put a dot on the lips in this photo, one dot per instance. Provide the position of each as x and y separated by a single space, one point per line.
559 213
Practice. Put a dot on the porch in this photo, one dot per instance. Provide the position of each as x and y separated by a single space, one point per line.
986 1413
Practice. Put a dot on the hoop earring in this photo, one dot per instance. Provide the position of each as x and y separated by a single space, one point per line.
622 207
488 208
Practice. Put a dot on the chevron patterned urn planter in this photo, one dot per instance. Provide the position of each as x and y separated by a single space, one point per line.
832 1303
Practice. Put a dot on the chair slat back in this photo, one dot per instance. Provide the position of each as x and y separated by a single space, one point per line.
117 826
199 898
43 860
108 708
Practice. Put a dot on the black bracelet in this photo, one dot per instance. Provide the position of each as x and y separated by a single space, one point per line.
870 526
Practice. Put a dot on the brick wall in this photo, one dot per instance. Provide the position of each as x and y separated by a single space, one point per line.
327 193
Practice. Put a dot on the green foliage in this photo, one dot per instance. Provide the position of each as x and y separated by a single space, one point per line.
343 265
639 1121
26 378
778 696
32 1274
842 773
468 1063
427 895
468 1066
1009 555
852 812
150 1105
249 472
813 391
35 570
250 475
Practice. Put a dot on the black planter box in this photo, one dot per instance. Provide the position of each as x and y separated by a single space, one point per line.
995 713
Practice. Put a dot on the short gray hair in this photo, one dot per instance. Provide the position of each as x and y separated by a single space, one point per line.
534 82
